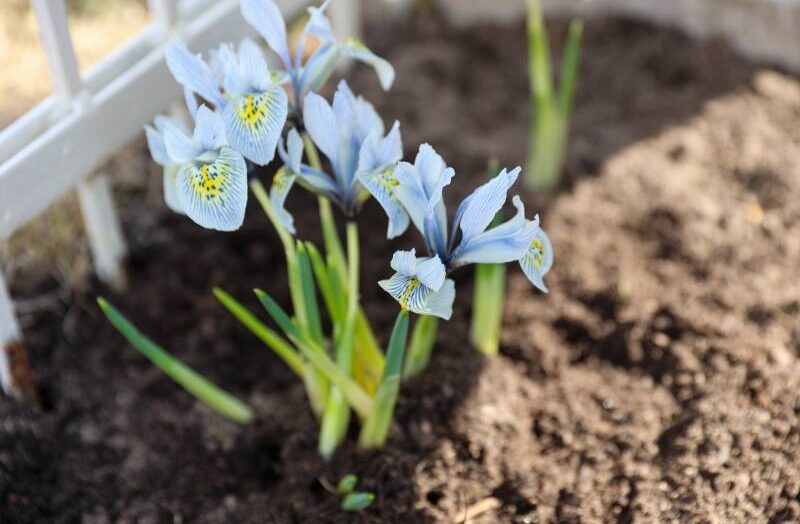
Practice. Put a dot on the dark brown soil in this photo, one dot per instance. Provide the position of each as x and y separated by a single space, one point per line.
659 381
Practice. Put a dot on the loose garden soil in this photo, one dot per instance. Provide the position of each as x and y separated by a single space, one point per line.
658 381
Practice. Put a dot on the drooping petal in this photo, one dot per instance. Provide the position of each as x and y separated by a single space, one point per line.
538 259
319 183
192 72
405 262
266 18
431 272
381 185
214 193
416 297
155 143
355 48
504 243
254 123
321 124
170 187
282 183
209 130
318 24
484 203
180 147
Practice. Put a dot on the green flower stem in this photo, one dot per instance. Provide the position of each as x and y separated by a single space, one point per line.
337 413
376 427
487 307
316 384
277 343
355 395
421 347
220 401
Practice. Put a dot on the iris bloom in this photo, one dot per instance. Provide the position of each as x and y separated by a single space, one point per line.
417 189
252 103
351 135
420 286
308 77
210 181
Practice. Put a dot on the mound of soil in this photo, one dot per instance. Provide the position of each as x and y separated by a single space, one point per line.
659 380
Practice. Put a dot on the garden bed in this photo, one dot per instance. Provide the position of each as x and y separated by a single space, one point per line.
659 379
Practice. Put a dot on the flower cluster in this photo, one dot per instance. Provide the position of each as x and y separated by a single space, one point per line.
240 108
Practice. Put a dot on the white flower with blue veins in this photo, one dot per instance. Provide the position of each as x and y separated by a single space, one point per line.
420 285
253 104
211 181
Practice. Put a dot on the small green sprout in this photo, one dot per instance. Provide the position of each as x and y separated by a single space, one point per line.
347 484
357 501
353 500
550 109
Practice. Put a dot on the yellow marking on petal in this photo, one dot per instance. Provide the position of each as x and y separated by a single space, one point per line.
253 111
387 179
208 181
279 180
410 287
537 252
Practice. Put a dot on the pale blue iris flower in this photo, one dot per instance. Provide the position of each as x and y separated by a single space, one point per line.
418 189
308 77
420 286
251 101
210 184
351 135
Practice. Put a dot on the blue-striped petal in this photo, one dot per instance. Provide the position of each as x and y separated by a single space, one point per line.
254 123
381 184
538 259
501 244
355 48
266 18
253 66
482 205
414 296
282 183
214 193
404 262
431 272
379 152
192 72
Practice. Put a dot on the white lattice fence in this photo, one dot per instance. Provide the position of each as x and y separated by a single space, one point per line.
60 143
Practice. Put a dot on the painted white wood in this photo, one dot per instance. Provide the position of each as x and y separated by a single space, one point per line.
54 161
103 228
51 17
9 333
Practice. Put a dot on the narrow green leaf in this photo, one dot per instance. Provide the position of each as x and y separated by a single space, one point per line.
357 501
376 427
268 336
313 321
223 403
355 395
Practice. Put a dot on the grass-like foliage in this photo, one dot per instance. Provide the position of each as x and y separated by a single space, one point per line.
245 113
550 108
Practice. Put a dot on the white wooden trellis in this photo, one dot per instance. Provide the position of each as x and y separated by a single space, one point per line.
57 145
